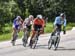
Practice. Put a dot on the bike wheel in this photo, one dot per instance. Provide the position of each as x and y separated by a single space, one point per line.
13 43
35 39
50 43
34 44
14 39
24 40
24 43
57 43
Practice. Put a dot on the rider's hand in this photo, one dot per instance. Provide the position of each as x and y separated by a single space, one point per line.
64 31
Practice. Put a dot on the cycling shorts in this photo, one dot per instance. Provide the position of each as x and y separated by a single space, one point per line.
16 26
36 27
58 27
28 27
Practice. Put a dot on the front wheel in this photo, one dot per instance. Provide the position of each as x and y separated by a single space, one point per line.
24 40
34 45
13 43
50 43
34 41
14 39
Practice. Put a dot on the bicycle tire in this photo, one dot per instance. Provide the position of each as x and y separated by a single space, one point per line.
14 39
50 42
24 39
57 43
34 41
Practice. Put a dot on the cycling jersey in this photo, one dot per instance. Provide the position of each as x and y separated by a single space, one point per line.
27 21
39 22
16 23
60 21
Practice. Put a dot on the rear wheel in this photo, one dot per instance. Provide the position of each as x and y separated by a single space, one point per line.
57 43
34 42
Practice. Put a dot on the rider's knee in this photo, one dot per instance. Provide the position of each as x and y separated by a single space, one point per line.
14 30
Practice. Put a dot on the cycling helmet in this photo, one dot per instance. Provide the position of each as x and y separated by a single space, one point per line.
39 16
18 17
62 14
30 16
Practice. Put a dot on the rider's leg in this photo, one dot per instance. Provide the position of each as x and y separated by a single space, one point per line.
13 34
33 33
28 31
24 30
41 31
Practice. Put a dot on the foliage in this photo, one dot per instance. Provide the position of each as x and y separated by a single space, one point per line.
9 9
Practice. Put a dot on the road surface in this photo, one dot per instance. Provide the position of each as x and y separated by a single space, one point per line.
66 47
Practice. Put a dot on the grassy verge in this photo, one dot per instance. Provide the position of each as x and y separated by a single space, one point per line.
8 30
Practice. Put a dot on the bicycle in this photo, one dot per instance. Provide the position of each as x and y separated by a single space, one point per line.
54 40
25 37
35 40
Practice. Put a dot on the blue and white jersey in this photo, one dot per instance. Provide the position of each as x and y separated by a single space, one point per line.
60 21
16 24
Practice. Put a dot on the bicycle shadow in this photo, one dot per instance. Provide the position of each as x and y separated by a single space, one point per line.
42 47
65 49
59 48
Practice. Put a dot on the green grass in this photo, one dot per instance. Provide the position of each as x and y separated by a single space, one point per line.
7 33
8 30
48 28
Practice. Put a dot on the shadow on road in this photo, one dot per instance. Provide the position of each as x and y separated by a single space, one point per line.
59 48
66 49
19 44
42 47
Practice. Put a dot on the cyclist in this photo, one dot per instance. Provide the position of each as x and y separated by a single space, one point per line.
17 24
27 25
59 21
38 23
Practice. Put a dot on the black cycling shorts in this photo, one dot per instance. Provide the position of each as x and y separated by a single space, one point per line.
58 27
36 27
28 27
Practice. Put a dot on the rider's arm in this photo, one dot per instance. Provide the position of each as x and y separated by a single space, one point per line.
26 21
43 23
34 21
14 22
65 22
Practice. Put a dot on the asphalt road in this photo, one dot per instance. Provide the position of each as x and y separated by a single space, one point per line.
66 47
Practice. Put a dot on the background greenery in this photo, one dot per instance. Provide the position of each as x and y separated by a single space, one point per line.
8 30
9 9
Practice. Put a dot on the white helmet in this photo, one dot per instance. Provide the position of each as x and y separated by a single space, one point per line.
18 17
39 16
30 16
62 14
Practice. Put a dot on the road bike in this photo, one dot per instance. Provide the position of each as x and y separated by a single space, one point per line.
54 40
35 39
